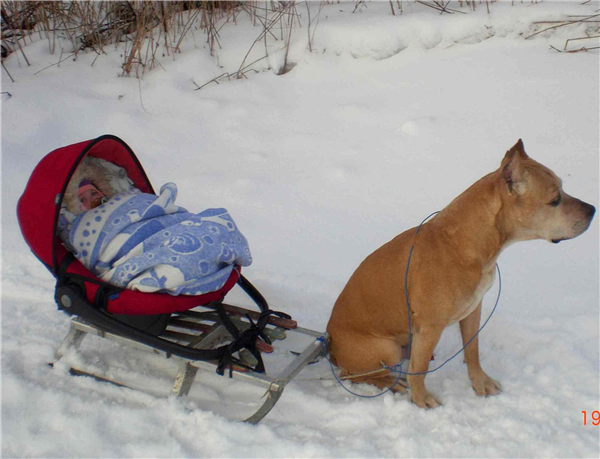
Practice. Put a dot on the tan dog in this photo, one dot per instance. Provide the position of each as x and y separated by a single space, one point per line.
451 269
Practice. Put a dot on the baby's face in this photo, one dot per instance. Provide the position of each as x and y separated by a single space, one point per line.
91 198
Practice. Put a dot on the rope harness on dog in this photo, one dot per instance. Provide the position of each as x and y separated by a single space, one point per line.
398 367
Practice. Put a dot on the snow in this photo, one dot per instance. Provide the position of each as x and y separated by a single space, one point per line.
387 120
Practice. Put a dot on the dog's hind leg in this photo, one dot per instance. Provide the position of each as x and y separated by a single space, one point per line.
362 358
383 379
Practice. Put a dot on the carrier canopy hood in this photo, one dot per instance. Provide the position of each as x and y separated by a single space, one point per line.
39 206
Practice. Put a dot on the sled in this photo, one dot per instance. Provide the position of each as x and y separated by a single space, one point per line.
192 333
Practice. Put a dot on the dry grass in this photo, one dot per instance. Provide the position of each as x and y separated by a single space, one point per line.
148 31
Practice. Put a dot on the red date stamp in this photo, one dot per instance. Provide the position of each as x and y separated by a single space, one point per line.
594 418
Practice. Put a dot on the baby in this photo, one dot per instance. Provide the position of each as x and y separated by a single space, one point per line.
94 180
89 196
146 242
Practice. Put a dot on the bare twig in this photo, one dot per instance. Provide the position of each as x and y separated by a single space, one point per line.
266 29
561 22
575 50
582 38
61 60
141 101
254 62
562 25
214 80
321 6
287 46
186 29
307 28
231 75
440 7
23 52
359 4
8 73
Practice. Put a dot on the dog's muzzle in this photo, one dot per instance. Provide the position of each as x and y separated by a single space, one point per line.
582 225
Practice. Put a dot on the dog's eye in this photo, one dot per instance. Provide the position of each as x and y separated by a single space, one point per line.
555 202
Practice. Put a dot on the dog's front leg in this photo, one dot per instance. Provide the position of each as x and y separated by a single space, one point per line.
481 382
424 341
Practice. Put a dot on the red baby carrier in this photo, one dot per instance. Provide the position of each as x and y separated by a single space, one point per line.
130 314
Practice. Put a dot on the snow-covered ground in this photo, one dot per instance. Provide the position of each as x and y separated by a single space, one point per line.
383 123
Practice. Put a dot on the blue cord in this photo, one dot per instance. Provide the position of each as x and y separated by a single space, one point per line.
398 367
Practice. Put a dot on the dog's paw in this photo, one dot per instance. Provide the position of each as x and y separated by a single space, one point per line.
484 385
400 386
426 401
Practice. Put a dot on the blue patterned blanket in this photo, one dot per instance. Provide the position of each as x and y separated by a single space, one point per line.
145 242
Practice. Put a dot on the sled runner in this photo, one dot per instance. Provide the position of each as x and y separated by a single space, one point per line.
196 331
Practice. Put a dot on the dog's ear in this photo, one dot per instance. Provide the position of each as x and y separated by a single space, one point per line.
517 149
513 171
